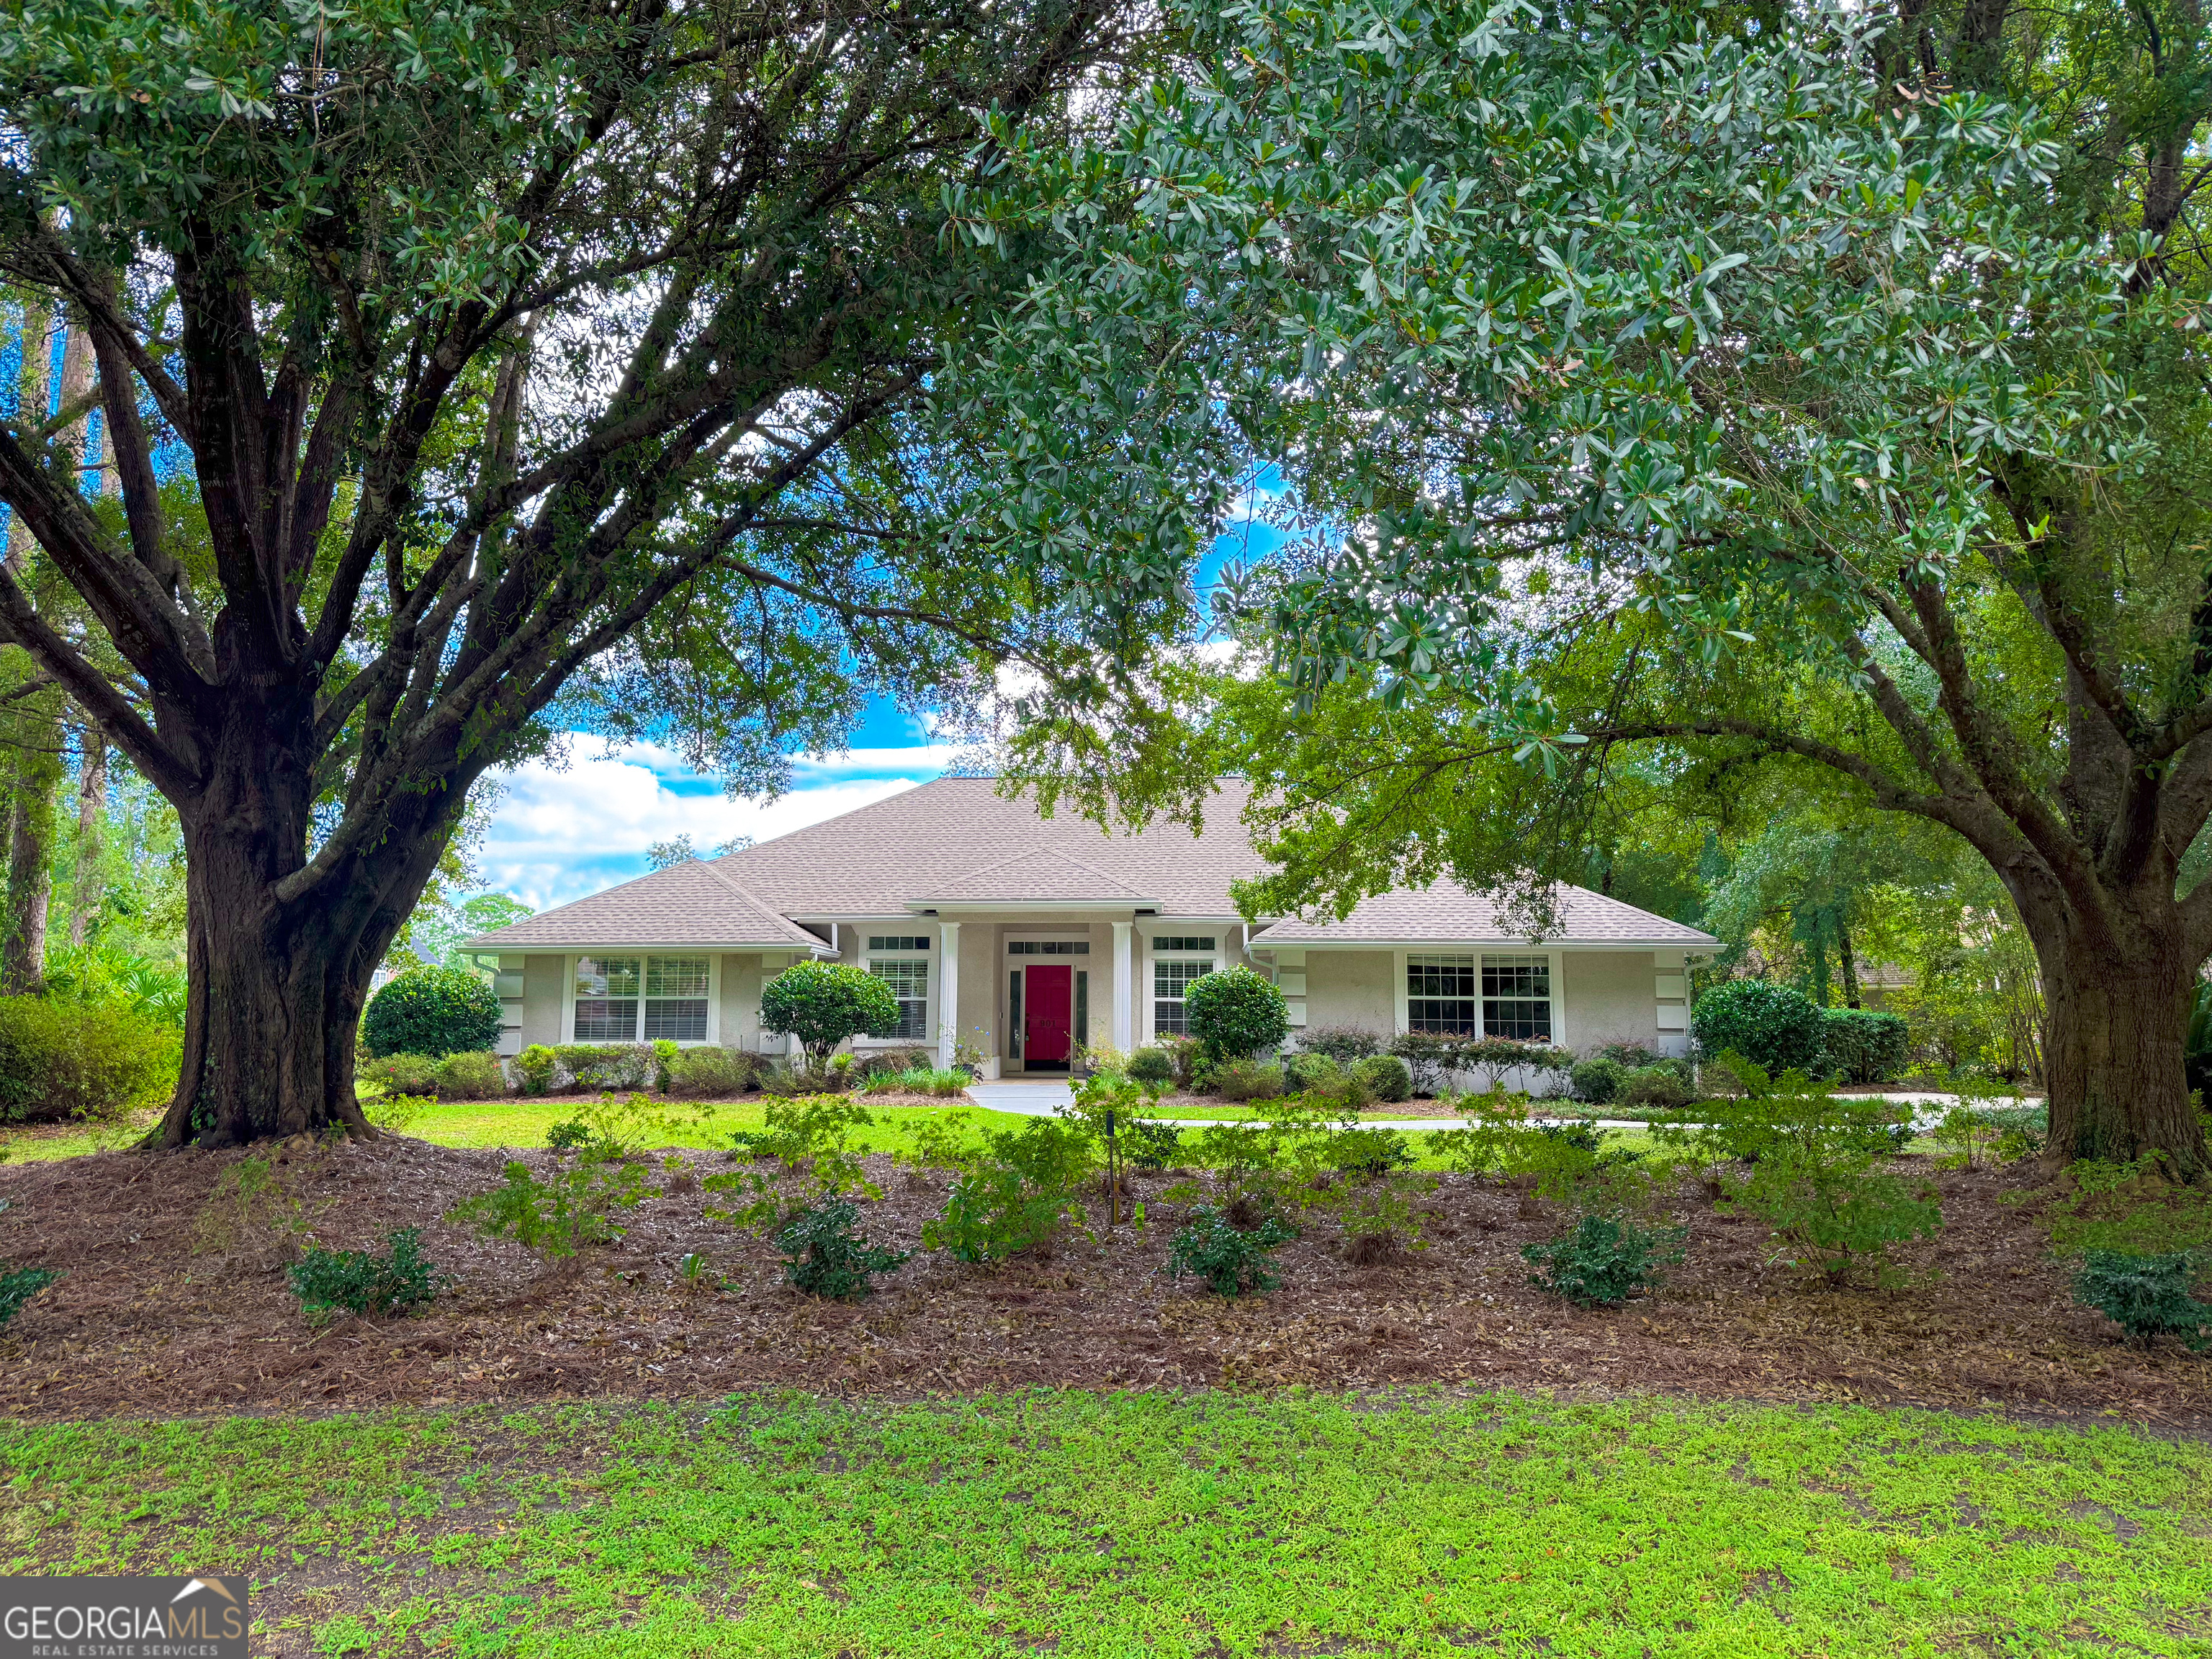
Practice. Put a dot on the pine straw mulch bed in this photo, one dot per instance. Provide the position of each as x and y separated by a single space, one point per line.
141 1324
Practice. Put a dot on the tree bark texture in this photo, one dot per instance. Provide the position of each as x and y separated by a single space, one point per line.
30 851
86 887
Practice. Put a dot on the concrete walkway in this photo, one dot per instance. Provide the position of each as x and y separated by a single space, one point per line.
1042 1098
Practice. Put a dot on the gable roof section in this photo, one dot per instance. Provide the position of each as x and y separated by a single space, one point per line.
1044 876
1449 913
688 903
957 842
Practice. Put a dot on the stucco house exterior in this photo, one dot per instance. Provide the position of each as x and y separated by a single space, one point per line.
1024 938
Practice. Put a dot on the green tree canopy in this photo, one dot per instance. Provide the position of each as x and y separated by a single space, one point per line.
1744 398
533 364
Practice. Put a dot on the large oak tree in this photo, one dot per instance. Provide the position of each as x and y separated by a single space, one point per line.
1691 389
525 359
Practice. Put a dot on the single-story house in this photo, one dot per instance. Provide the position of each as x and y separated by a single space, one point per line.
1021 939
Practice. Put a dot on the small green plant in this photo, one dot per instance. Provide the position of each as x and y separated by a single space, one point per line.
1603 1259
1247 1079
1016 1193
824 1254
1595 1081
1152 1065
1153 1145
1840 1218
1371 1151
2131 1206
538 1065
401 1075
810 1146
2147 1296
1376 1218
398 1279
942 1082
471 1074
576 1209
2022 1132
570 1133
395 1115
1965 1135
18 1286
1233 1262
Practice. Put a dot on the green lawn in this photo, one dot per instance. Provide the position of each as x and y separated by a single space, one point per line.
1083 1524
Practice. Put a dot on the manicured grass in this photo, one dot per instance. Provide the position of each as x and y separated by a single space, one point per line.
1146 1524
494 1123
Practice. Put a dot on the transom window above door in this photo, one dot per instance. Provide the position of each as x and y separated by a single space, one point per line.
641 999
1048 947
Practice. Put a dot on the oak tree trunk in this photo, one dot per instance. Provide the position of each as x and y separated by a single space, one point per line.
86 887
2117 1022
30 846
277 984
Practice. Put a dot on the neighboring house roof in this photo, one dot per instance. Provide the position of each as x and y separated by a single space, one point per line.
1449 911
957 843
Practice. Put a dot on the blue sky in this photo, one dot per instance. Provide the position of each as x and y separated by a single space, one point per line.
559 834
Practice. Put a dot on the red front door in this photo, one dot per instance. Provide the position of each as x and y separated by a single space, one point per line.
1048 1016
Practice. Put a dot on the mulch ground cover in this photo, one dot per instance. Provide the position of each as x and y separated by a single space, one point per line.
158 1313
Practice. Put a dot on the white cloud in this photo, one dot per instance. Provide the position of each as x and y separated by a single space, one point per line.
561 832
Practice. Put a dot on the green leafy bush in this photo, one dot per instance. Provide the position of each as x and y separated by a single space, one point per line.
1838 1216
1430 1056
1771 1025
2021 1131
571 1133
811 1144
1864 1046
708 1072
399 1278
1247 1080
1152 1065
431 1011
1489 1058
1345 1044
1153 1145
1604 1260
587 1067
1371 1151
1330 1085
402 1075
18 1286
1386 1077
1790 1115
73 1059
2149 1295
471 1074
1015 1192
824 1254
1659 1088
573 1210
823 1004
1233 1262
539 1066
1236 1013
1595 1082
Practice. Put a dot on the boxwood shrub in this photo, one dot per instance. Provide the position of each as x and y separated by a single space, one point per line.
1863 1046
62 1059
431 1011
1771 1025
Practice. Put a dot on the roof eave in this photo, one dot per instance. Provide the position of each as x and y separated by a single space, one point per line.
492 942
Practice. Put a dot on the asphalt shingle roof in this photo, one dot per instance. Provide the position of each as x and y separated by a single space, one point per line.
958 840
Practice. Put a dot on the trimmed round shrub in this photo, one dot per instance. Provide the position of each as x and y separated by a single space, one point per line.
1386 1077
431 1011
62 1059
823 1004
401 1075
1247 1080
1152 1066
1769 1024
1594 1082
1236 1013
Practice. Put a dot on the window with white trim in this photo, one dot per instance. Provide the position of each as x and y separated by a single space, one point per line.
609 1007
1171 981
908 979
607 999
1516 998
1047 947
1168 944
1440 994
898 942
676 998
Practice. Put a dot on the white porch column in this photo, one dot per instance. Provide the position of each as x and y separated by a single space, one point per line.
948 990
1125 997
